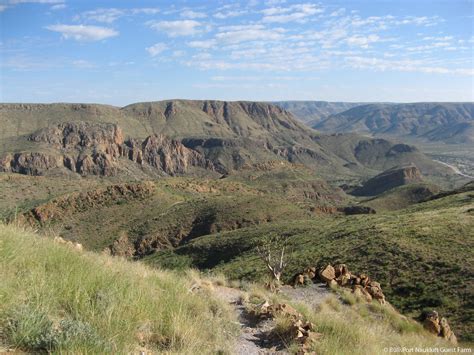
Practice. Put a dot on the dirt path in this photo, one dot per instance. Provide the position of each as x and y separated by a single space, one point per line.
253 338
254 335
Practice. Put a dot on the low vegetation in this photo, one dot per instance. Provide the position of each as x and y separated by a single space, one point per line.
55 298
399 249
345 324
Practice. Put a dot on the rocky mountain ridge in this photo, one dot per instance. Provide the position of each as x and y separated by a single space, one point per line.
211 135
97 148
446 122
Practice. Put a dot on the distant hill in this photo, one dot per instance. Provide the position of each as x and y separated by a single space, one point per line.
446 122
313 112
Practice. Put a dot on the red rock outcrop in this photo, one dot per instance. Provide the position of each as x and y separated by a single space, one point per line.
165 154
98 149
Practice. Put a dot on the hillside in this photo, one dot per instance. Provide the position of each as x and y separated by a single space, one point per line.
313 112
415 253
68 301
207 136
446 122
389 179
402 196
72 301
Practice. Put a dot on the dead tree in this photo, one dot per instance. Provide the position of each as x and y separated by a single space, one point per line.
272 252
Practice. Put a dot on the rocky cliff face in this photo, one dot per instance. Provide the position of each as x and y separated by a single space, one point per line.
100 149
389 179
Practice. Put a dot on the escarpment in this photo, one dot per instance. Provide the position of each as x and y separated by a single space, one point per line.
100 149
389 179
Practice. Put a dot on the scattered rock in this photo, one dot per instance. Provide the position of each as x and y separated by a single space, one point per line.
300 330
439 326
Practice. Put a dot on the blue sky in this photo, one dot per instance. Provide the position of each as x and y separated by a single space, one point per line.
119 52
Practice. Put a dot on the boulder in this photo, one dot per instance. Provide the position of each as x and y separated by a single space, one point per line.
310 272
341 269
327 274
431 323
299 280
361 292
446 331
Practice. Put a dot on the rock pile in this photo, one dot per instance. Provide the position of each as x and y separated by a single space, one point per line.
439 326
361 284
300 329
339 275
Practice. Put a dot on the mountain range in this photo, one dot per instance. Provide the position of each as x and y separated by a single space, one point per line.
215 136
433 121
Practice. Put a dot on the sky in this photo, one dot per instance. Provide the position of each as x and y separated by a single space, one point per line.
119 52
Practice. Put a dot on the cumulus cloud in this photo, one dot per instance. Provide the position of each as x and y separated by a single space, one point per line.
177 28
83 33
156 49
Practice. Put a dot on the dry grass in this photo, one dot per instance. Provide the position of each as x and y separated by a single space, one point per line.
54 298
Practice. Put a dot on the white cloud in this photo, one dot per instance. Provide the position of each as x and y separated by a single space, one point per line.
178 53
237 34
145 11
103 15
83 64
222 15
10 3
110 15
298 12
177 28
338 12
156 49
407 65
206 44
83 33
192 14
362 41
58 7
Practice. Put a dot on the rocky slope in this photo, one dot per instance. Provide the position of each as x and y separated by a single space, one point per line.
313 112
100 149
447 122
389 179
